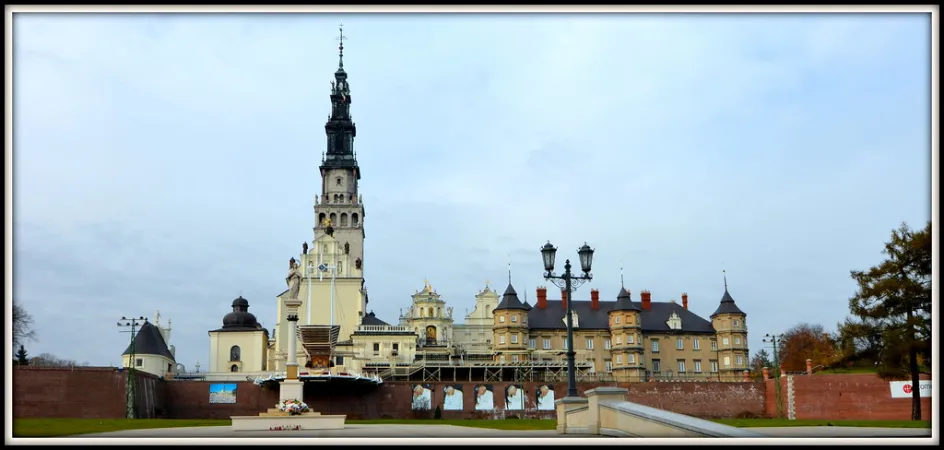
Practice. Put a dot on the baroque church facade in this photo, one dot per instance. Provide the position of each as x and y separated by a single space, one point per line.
619 338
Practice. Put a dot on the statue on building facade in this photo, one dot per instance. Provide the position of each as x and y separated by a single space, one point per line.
304 248
293 280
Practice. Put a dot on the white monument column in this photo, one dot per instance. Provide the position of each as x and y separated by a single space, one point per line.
292 387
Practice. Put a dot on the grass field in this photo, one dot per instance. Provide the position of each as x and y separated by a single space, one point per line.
749 423
72 427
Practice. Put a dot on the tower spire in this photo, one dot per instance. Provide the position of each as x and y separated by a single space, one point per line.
509 269
341 39
725 280
621 278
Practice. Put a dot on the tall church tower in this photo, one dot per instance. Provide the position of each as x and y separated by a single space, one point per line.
338 241
340 202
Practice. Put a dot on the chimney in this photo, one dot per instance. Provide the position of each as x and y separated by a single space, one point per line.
809 367
646 300
766 372
542 297
564 298
594 299
684 300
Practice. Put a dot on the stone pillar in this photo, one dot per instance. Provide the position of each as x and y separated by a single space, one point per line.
595 397
562 405
291 362
747 375
809 367
766 372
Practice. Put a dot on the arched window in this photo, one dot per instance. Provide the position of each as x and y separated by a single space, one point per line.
321 218
334 218
343 219
234 353
431 312
354 220
234 368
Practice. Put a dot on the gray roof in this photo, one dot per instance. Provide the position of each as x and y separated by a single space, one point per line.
510 300
654 320
624 302
727 305
149 341
371 319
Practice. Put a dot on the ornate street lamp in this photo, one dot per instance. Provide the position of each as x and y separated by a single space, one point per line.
569 282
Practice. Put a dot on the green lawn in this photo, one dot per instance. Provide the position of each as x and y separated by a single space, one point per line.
70 427
748 423
497 424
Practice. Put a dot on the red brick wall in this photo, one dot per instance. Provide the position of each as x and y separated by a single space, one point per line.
707 400
87 392
850 397
191 400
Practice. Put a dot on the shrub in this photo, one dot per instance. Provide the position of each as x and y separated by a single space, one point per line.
438 414
747 415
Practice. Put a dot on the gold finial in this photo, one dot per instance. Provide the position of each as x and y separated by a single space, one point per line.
326 222
486 284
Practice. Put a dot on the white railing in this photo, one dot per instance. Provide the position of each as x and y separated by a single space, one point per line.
384 328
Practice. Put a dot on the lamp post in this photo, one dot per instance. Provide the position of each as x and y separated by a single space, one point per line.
568 281
130 398
776 341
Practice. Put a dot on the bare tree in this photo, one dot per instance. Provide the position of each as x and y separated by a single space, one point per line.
22 325
50 360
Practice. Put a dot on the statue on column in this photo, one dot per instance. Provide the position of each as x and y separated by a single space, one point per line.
304 248
293 280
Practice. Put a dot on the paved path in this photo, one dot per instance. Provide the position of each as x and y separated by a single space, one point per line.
451 431
842 432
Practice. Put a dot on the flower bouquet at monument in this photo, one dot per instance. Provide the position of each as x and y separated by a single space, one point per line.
294 407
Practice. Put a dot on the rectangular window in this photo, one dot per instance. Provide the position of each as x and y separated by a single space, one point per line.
737 323
501 339
681 366
547 344
564 346
589 343
606 344
727 361
396 347
737 340
619 359
679 344
138 362
724 342
740 360
376 347
514 339
619 340
714 366
616 319
631 358
714 345
501 319
501 358
608 366
630 339
514 318
697 366
655 346
656 365
696 344
514 358
530 343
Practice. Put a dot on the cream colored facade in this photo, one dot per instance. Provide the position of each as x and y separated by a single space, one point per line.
474 337
152 364
238 351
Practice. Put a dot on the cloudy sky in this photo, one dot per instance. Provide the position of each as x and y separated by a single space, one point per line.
169 162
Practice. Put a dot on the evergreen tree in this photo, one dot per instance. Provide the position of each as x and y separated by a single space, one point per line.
760 360
21 356
893 307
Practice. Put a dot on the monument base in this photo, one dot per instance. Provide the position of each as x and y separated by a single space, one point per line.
276 420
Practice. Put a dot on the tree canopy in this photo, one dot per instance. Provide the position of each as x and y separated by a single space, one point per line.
22 324
891 309
806 341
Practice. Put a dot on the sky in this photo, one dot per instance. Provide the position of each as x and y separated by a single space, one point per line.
170 162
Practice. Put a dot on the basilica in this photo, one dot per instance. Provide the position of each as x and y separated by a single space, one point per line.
503 337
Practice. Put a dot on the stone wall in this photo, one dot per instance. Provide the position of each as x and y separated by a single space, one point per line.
88 392
845 397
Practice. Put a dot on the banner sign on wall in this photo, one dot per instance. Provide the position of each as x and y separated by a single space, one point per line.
903 389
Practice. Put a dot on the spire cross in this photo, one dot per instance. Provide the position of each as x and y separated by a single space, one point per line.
621 278
725 280
341 37
509 269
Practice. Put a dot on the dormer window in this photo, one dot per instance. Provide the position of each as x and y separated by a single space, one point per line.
674 322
